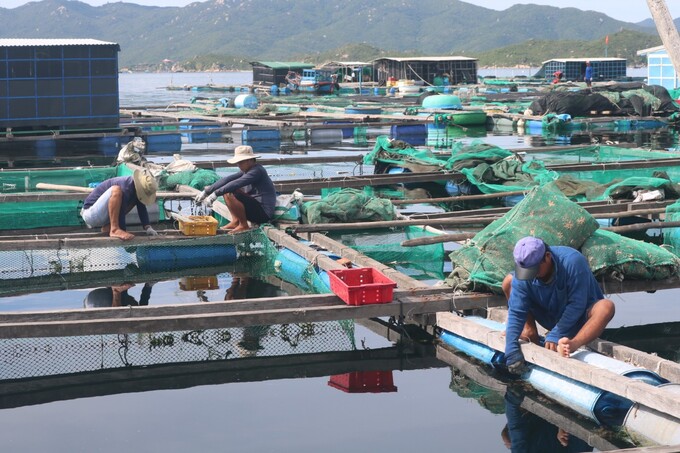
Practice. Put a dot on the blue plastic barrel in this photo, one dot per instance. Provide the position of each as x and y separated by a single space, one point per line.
168 258
247 101
163 143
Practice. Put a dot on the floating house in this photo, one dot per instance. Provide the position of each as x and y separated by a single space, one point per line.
58 84
604 69
429 70
275 72
350 71
660 69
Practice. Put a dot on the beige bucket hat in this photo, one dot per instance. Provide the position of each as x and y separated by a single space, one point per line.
242 153
145 186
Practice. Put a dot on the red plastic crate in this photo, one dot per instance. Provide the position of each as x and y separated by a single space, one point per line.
361 286
364 382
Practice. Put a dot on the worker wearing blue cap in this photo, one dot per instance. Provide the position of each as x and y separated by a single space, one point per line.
554 287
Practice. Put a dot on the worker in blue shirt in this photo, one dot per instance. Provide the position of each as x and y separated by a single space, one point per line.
554 287
249 193
107 205
588 77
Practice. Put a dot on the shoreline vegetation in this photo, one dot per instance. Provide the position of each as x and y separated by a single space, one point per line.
529 54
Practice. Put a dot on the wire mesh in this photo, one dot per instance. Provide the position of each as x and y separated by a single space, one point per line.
37 357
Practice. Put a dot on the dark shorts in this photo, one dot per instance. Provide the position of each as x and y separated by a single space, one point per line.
254 211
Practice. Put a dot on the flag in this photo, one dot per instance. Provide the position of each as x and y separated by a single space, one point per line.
606 40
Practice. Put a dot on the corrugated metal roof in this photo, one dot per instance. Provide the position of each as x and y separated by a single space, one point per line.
426 59
282 64
583 60
26 42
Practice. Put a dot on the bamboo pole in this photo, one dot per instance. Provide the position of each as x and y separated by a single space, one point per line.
48 186
463 236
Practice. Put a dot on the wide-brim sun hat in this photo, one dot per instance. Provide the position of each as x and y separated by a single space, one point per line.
145 186
241 153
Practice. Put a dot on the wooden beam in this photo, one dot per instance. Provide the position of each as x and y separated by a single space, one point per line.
403 281
561 417
227 314
653 397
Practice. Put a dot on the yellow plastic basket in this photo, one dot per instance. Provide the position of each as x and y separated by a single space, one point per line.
199 225
194 283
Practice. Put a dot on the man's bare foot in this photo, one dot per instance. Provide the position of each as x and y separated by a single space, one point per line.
121 234
106 229
564 347
239 230
230 226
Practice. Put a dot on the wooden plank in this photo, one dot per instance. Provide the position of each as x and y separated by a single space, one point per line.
652 397
105 241
403 281
561 417
138 320
665 368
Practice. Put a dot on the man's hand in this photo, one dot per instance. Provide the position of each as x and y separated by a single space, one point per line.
519 367
201 196
208 202
151 232
550 345
516 363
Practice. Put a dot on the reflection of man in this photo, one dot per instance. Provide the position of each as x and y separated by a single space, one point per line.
527 433
117 296
243 287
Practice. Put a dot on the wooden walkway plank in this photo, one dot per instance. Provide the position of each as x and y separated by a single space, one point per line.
653 397
573 423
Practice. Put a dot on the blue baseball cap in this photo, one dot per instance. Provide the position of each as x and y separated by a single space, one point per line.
529 253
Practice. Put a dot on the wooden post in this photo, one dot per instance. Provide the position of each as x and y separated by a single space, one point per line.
667 31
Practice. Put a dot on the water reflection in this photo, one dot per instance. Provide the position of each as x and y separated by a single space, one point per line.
117 296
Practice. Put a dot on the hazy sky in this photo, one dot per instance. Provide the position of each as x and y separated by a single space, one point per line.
627 10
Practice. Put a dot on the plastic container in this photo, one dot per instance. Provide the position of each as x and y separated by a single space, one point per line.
361 286
175 257
247 101
364 382
325 136
412 134
442 102
199 225
198 283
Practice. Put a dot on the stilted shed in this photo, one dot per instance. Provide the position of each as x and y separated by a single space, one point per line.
458 70
275 72
604 69
58 84
660 69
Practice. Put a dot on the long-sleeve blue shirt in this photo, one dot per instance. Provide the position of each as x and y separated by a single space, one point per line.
255 182
559 305
130 200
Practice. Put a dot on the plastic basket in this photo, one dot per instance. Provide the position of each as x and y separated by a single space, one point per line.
194 283
361 286
364 382
199 225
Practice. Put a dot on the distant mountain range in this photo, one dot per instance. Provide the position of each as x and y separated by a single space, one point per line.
239 31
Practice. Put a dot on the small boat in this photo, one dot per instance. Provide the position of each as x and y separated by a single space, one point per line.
318 81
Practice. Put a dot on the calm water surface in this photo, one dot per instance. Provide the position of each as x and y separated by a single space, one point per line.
287 415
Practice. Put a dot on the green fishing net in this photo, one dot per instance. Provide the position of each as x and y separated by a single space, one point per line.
421 263
347 205
545 212
617 257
